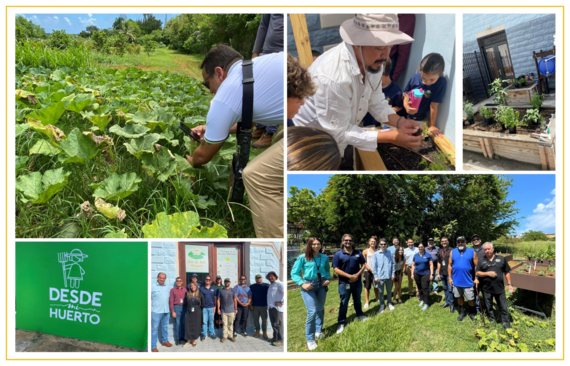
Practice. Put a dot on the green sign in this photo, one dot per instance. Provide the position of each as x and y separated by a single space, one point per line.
94 291
197 259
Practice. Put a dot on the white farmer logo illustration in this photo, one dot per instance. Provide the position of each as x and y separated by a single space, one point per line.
76 306
196 254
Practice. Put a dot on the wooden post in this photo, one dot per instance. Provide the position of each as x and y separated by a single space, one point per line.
543 157
490 150
483 148
301 34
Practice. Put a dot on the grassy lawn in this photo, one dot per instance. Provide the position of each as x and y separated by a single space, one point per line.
406 329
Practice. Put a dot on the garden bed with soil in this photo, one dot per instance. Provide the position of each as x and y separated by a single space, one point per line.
539 280
497 127
399 158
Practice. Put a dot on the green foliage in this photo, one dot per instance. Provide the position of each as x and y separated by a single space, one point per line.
59 39
117 187
404 205
509 118
37 188
532 116
439 161
468 110
149 45
537 100
482 111
149 23
27 30
181 225
39 54
532 235
501 94
117 235
197 33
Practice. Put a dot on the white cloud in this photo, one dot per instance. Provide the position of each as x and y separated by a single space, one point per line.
543 217
35 17
89 21
67 20
51 20
90 15
55 17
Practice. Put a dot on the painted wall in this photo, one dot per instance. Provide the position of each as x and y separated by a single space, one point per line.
262 261
430 32
525 33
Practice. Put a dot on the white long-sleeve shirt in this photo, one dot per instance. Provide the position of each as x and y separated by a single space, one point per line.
276 293
343 98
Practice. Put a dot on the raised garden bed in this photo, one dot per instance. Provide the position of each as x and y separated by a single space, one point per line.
386 156
521 95
544 283
490 140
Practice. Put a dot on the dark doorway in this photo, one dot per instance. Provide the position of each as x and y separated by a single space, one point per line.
495 49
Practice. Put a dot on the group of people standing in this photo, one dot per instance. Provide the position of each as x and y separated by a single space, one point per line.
463 272
200 308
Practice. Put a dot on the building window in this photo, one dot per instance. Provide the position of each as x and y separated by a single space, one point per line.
495 48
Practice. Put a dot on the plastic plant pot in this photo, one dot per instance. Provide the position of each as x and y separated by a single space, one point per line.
513 130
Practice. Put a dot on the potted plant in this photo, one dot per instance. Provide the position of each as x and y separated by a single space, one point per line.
425 133
537 101
469 112
500 92
510 119
532 116
498 113
482 112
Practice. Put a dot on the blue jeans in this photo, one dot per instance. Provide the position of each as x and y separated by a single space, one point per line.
387 283
355 290
315 302
156 320
447 290
178 330
270 129
207 318
435 282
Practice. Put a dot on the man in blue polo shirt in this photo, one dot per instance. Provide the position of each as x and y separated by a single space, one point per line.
160 313
461 271
209 293
348 264
259 304
433 250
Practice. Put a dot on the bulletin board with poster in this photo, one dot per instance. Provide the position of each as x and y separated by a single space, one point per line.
203 259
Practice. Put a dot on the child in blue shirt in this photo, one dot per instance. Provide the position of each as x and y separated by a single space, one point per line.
431 80
392 93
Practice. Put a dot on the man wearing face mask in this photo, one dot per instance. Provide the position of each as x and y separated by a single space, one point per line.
349 84
461 271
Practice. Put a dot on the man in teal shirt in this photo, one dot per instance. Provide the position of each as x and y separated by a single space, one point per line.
160 312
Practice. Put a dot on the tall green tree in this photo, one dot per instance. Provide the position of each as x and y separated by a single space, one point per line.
26 29
534 236
149 23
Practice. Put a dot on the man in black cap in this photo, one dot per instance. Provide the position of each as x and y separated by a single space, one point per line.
433 250
478 248
195 280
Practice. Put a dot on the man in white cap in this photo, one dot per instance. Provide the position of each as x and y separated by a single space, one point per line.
349 84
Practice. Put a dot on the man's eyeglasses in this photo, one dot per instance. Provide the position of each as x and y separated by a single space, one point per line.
382 245
206 83
347 241
207 279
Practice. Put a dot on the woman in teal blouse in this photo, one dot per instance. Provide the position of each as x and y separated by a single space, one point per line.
316 273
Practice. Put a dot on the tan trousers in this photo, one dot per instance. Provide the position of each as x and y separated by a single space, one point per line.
263 181
228 319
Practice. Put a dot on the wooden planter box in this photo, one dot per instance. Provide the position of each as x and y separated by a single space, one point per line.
521 95
542 284
371 160
516 147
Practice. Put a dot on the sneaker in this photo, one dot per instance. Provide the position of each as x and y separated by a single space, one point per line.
390 307
421 304
319 335
366 306
362 318
244 334
277 343
340 328
425 307
235 334
381 310
312 345
202 337
232 339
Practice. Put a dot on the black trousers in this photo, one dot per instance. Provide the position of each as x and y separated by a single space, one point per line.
241 319
422 281
276 319
501 300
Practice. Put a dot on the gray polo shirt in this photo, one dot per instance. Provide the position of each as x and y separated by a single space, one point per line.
227 300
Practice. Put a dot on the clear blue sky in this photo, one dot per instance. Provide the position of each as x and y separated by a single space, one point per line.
534 193
75 23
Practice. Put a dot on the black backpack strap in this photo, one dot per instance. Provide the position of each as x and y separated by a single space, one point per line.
247 106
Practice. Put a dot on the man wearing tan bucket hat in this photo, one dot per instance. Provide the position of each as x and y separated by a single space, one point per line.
349 84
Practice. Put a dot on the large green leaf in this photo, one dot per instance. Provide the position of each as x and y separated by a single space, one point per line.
168 135
39 189
26 96
217 171
44 147
130 130
21 162
101 120
21 128
49 115
228 148
77 103
78 148
161 164
117 186
177 225
216 231
144 144
184 190
109 211
117 235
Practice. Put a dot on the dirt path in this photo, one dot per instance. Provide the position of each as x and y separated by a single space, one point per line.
39 342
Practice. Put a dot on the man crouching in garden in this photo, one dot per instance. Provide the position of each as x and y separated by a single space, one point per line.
263 176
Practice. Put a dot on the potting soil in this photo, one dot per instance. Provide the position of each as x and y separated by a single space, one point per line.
392 154
496 127
533 271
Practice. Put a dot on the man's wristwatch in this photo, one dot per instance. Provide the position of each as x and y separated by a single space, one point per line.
509 284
